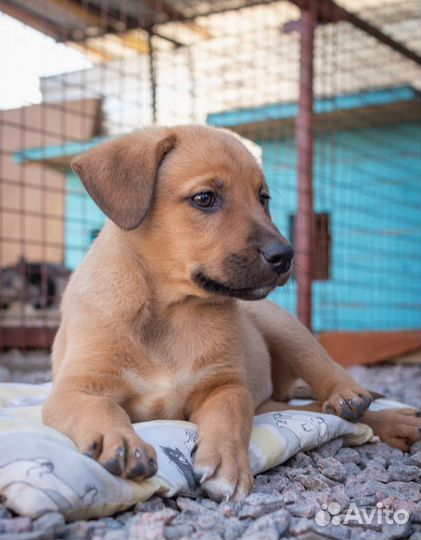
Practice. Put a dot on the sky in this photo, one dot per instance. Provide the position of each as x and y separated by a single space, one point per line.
25 56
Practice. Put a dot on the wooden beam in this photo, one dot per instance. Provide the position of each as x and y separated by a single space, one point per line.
89 18
33 19
329 12
31 337
351 348
111 19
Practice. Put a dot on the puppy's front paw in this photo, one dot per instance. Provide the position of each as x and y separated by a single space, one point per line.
223 471
400 428
349 401
121 453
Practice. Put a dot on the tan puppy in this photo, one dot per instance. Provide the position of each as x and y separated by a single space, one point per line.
151 322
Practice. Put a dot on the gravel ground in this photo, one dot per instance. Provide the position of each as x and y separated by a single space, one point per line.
287 502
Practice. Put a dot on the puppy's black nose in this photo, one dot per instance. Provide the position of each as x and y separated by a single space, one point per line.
278 254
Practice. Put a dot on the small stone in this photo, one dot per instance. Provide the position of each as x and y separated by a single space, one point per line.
5 375
30 535
259 504
358 533
51 521
300 460
333 469
378 460
112 534
290 496
328 449
273 525
314 482
234 529
307 508
351 469
416 447
15 525
4 512
396 531
174 532
384 450
357 489
145 518
209 503
228 509
204 535
206 522
395 503
280 483
124 517
348 455
185 504
200 517
378 474
152 505
404 473
409 491
338 532
150 531
111 523
83 530
268 534
299 526
339 495
416 459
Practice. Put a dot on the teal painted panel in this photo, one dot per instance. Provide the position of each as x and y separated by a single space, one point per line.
371 189
83 220
282 111
55 151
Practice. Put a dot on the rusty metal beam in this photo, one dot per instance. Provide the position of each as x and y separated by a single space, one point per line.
329 12
31 337
118 22
109 20
152 76
30 17
304 222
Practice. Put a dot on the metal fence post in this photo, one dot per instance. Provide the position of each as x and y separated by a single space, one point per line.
304 222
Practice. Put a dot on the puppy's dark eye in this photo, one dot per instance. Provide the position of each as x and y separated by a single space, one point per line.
264 198
205 199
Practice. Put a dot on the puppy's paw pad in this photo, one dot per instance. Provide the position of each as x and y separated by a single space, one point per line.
400 428
225 475
91 445
348 403
121 453
219 489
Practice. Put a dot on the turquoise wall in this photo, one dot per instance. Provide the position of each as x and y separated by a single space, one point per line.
369 182
83 219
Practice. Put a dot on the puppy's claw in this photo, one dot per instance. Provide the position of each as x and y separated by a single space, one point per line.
223 472
121 453
205 477
348 403
152 467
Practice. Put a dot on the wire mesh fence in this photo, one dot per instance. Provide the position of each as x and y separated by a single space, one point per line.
239 65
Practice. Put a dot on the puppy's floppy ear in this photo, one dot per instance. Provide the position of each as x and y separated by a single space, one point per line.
120 175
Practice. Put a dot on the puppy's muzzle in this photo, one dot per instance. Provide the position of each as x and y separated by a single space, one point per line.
278 255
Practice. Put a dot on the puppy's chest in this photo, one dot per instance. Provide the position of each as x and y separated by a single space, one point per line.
175 356
161 394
